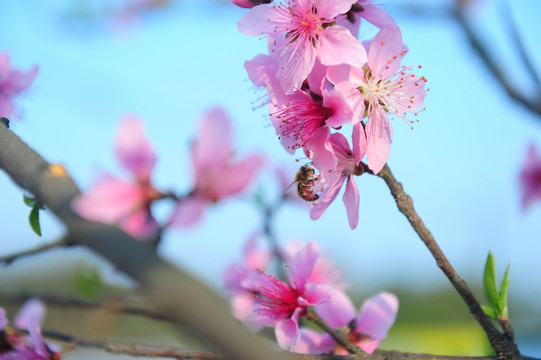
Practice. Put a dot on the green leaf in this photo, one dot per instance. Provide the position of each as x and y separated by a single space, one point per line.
29 200
88 283
503 293
34 220
491 287
489 311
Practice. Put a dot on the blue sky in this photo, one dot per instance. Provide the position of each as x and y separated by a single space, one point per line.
460 163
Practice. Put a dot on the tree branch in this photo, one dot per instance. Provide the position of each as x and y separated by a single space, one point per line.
176 353
503 344
169 289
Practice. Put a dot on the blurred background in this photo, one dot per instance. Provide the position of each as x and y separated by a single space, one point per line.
170 61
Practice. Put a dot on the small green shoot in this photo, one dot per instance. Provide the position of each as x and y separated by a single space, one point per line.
497 299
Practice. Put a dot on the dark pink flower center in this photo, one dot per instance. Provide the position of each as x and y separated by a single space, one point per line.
301 118
304 25
278 300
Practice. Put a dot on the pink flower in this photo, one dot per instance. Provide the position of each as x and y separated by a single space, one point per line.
31 346
380 89
12 83
302 118
253 260
304 30
217 174
530 177
281 304
126 203
367 330
328 183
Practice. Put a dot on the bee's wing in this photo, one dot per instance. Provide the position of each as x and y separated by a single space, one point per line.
288 189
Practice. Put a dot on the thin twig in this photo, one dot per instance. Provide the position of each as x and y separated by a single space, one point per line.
337 335
504 346
519 44
478 45
112 305
10 258
132 349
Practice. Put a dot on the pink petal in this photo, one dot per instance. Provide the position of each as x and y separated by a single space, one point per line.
332 8
261 69
287 331
254 257
337 46
140 224
236 177
302 265
377 316
232 277
263 19
17 81
319 150
384 47
296 60
351 201
36 339
359 142
313 342
379 135
133 150
376 16
341 111
243 3
338 311
315 294
213 144
33 310
108 200
327 197
5 65
242 305
6 107
188 212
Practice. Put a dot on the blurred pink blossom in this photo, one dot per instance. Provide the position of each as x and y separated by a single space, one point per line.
126 203
253 259
302 32
378 90
367 330
31 346
530 177
12 83
217 173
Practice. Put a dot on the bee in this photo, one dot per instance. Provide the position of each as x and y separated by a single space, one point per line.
305 179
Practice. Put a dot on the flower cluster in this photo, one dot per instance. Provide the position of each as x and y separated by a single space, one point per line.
319 77
128 203
17 345
311 283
